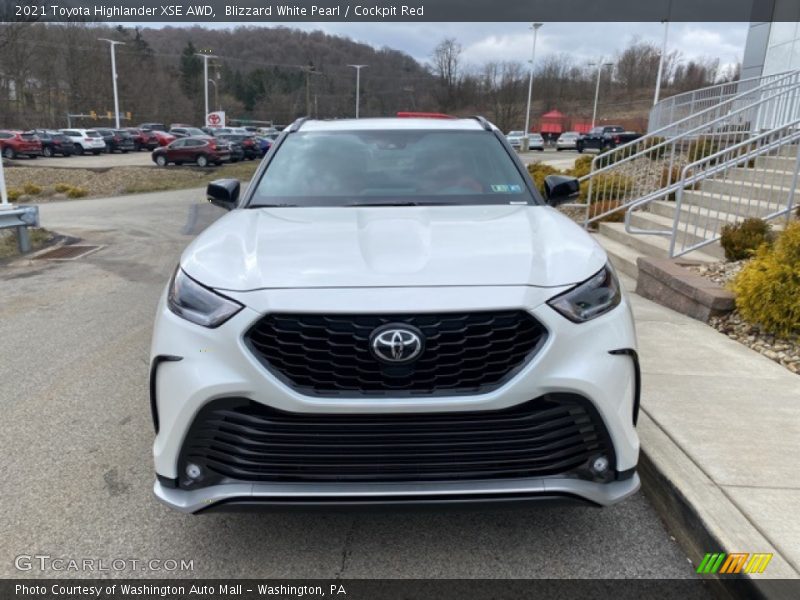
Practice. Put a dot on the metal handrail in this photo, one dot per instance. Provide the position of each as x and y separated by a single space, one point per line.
706 94
655 134
776 99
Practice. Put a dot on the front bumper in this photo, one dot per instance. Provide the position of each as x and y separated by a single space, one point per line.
355 495
194 365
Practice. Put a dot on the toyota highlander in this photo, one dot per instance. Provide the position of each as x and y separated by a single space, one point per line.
391 313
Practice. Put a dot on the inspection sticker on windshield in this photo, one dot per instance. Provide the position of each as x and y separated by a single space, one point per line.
508 189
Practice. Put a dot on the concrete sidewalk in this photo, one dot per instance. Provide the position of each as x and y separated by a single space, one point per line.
721 430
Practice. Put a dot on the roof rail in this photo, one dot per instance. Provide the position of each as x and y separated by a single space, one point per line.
423 115
298 123
484 123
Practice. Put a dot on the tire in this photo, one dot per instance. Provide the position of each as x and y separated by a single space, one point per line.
579 149
161 160
9 153
33 156
47 151
178 164
218 163
137 147
202 161
124 151
97 152
79 150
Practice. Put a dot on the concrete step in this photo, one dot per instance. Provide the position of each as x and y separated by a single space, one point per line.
762 176
778 163
774 194
696 228
621 256
647 245
691 213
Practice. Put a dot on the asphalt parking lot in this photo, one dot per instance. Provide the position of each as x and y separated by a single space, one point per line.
77 444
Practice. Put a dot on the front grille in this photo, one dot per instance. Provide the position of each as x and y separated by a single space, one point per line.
464 353
235 439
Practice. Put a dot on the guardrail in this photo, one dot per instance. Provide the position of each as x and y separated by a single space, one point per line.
20 218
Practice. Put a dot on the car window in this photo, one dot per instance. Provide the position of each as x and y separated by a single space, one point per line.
71 132
368 167
29 136
93 134
4 135
177 143
595 130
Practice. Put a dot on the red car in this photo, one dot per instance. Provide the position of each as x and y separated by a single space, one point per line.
143 139
163 137
201 151
16 143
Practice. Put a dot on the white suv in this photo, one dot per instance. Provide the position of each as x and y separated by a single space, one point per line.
86 140
392 314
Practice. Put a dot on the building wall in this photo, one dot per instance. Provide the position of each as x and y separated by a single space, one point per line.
774 47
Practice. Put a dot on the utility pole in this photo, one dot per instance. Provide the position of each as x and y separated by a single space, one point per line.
358 84
661 63
216 94
205 58
113 44
600 66
309 71
524 143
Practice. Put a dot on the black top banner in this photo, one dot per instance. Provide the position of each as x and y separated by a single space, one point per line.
250 11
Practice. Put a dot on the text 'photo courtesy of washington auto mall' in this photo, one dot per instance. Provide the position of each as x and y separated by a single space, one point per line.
450 299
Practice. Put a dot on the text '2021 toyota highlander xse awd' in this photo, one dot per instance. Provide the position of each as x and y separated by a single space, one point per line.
392 314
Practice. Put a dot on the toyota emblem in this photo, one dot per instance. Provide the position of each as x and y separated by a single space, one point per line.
397 343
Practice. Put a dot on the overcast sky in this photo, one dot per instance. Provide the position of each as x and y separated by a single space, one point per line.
512 41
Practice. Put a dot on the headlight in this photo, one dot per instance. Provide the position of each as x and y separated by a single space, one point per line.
198 304
592 298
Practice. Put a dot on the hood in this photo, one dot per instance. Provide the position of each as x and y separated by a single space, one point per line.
258 248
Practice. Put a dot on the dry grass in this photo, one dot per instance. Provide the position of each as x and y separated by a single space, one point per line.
8 241
57 183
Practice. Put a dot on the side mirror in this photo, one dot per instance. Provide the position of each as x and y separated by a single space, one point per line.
223 193
560 188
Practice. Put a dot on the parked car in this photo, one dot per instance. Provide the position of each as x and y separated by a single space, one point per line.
605 137
227 130
153 126
397 316
163 137
14 144
265 142
117 140
567 140
237 150
185 131
54 142
535 140
250 146
85 140
199 150
143 139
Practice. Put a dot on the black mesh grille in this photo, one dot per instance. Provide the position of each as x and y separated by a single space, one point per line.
236 439
464 353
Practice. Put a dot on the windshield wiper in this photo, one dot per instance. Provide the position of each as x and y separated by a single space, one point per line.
398 203
273 206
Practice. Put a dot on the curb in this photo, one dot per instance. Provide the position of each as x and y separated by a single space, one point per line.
702 517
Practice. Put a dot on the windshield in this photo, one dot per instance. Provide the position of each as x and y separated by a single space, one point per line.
514 133
351 168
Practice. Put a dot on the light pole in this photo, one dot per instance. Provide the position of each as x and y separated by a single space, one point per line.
205 81
661 63
600 66
113 44
524 142
358 84
216 93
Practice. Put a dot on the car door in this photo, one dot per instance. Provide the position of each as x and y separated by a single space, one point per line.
176 151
